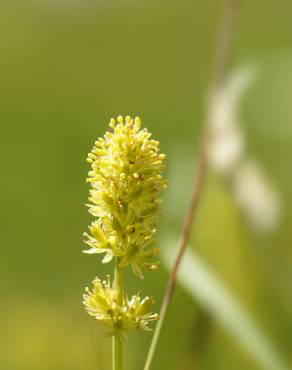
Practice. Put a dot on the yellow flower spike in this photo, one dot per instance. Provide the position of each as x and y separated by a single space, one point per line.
125 179
133 313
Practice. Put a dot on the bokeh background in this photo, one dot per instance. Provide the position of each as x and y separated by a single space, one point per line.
66 67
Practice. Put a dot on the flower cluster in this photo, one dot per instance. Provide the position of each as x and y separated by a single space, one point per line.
125 181
102 303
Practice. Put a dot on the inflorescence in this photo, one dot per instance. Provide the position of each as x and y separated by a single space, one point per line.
130 314
125 180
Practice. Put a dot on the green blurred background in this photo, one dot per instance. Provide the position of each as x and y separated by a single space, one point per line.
66 67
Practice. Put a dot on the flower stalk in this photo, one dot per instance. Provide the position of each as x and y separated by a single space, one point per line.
125 180
116 340
117 352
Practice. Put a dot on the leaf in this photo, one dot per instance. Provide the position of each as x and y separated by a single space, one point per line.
209 291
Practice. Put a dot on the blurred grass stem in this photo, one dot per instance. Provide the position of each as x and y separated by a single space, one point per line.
222 59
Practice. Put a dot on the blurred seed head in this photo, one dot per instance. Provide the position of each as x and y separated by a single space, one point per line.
226 152
256 196
226 144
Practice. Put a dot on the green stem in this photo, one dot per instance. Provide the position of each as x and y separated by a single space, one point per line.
117 343
117 352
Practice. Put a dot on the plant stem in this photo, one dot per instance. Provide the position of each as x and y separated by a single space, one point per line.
117 342
117 352
222 59
198 184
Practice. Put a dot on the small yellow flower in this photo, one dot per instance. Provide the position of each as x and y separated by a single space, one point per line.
133 313
125 178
